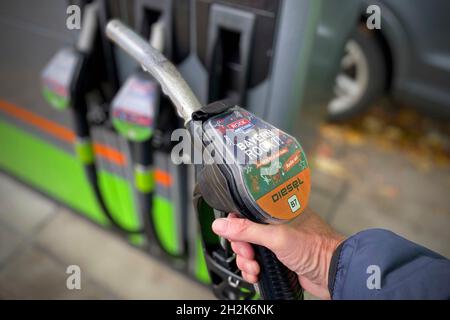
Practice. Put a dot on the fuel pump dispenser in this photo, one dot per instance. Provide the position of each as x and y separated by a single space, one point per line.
73 81
137 115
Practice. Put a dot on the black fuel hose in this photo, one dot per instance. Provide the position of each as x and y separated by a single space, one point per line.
87 157
142 157
91 174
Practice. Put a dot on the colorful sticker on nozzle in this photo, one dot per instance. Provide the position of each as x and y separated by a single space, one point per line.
274 167
57 77
134 107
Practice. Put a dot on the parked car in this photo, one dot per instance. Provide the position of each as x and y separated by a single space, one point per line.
407 58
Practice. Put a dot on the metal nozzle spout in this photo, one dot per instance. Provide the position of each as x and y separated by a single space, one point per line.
172 83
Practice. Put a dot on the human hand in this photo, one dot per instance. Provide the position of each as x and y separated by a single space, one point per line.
305 246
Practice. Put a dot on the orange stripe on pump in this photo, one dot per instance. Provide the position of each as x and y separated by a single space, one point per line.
110 154
58 131
163 178
45 125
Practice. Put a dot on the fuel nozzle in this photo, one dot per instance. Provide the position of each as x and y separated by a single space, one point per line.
154 62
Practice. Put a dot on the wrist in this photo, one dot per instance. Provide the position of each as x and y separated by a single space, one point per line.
320 262
331 246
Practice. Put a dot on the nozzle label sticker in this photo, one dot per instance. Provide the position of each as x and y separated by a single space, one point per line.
241 124
134 107
57 77
294 203
289 199
273 165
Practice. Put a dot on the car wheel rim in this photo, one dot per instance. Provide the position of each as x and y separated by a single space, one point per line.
352 80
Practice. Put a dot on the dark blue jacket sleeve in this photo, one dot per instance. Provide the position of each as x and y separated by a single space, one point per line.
378 264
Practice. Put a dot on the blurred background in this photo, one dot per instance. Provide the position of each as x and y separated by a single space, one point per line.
364 86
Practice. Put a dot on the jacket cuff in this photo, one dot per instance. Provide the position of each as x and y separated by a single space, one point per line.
332 271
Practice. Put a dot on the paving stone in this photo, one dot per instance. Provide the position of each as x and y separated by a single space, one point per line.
22 208
321 203
326 183
124 270
35 275
9 242
410 220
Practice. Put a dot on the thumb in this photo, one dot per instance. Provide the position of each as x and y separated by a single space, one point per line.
273 237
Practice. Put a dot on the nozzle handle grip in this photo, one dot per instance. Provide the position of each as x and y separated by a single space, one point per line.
276 281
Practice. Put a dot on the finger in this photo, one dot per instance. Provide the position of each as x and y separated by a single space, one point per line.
274 237
248 266
243 249
251 278
233 215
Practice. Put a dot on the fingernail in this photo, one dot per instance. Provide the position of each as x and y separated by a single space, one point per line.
220 225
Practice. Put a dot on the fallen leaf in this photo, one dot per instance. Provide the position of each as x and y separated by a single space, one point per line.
389 191
354 137
330 166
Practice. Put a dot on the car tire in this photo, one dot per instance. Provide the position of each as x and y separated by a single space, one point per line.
365 66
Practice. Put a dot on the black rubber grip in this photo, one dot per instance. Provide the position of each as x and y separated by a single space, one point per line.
276 281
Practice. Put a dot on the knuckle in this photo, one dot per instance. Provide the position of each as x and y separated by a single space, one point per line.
242 249
238 248
235 247
246 277
281 237
240 264
250 278
251 267
255 268
238 226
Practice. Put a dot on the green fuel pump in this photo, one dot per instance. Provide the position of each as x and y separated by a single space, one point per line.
67 81
136 115
257 170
